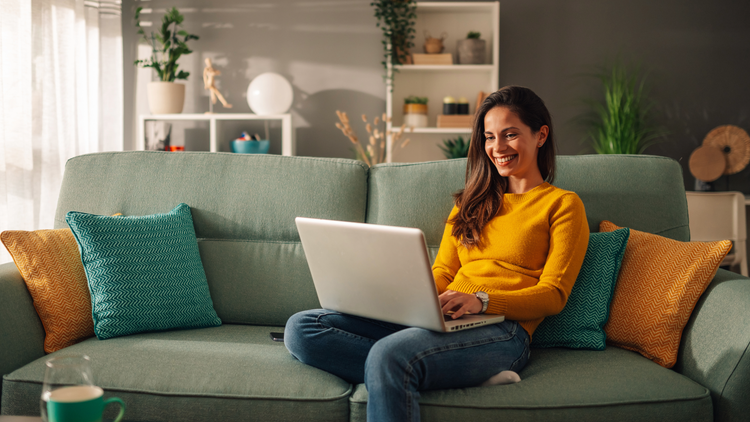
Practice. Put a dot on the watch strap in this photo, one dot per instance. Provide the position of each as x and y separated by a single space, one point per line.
484 298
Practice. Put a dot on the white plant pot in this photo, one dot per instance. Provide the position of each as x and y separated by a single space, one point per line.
166 97
415 120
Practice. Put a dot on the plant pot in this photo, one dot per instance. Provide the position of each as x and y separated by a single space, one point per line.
415 108
415 120
166 97
471 51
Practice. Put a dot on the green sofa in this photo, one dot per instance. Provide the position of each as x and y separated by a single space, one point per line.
244 207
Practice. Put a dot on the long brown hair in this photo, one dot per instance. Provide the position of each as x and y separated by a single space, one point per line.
482 196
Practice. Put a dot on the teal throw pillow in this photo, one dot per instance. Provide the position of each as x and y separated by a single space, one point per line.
144 273
580 325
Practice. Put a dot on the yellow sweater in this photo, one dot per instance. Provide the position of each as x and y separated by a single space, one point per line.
530 255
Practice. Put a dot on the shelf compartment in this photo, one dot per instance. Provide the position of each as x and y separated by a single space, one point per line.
435 130
447 67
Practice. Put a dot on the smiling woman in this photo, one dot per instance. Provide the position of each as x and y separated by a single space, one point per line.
512 151
513 147
513 246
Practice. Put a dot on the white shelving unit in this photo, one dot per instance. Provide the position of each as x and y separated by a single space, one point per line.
437 81
288 146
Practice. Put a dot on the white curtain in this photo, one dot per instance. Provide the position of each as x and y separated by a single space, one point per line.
60 96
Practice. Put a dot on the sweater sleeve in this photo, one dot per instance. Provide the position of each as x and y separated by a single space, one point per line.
569 234
447 262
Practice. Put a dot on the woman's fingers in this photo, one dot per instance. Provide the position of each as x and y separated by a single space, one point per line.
459 303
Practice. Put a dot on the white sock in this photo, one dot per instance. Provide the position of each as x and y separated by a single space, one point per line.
505 377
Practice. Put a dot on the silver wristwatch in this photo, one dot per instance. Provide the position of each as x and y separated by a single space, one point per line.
485 298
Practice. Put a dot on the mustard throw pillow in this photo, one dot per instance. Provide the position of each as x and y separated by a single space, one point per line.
660 282
51 267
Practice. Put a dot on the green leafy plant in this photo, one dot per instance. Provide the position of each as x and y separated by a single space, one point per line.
622 123
413 99
166 45
455 148
396 19
473 35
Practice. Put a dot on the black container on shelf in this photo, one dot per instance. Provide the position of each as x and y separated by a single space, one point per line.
462 108
450 108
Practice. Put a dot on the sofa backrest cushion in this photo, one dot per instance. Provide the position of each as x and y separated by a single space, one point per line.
641 192
415 195
636 191
243 207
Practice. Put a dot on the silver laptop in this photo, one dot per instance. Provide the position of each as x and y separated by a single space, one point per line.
378 272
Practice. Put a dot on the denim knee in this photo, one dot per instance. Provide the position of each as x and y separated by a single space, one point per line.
388 360
298 329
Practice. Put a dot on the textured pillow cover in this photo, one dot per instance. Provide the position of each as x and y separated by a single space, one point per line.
660 282
580 325
50 265
144 273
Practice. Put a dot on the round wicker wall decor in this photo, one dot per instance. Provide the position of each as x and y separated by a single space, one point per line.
734 143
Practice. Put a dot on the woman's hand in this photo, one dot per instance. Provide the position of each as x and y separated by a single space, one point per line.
459 303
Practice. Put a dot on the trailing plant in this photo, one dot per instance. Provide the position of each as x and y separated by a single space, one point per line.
474 35
622 123
166 45
413 99
455 148
396 19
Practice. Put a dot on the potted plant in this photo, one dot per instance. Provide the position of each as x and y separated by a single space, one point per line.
455 148
415 111
165 96
621 123
471 50
396 19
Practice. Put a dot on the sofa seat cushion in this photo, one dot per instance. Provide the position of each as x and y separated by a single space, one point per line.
570 385
206 374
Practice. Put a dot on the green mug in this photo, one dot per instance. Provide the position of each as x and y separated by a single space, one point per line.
81 403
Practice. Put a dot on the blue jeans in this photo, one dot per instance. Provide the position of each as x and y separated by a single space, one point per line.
397 362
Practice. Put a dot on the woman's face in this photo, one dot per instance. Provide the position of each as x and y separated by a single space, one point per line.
513 147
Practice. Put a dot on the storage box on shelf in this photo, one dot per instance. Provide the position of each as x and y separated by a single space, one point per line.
437 81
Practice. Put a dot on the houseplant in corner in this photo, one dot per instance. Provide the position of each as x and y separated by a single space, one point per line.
167 45
622 122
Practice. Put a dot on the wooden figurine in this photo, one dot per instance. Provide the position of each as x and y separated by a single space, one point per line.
209 79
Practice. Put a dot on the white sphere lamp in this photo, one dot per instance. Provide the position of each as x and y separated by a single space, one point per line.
269 93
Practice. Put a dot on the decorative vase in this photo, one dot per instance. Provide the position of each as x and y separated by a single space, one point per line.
166 97
471 51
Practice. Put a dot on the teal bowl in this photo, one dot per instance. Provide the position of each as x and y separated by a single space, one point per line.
251 147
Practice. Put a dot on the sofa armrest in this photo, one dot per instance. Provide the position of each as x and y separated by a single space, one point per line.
714 350
21 331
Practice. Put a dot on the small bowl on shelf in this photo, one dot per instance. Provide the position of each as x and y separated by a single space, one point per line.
251 147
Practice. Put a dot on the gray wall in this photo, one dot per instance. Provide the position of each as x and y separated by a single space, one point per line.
698 55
